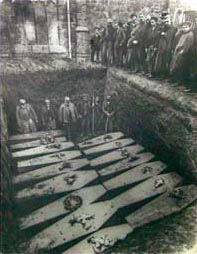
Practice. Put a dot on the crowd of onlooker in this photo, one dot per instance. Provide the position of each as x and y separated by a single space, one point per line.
148 45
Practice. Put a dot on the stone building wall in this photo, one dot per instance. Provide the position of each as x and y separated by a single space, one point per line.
37 27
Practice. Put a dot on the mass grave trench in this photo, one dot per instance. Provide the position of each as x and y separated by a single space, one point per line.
131 117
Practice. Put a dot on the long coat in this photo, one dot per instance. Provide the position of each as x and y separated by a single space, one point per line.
48 118
181 62
68 114
107 44
151 45
164 53
95 41
26 119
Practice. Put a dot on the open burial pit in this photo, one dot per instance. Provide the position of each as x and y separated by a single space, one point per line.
143 111
37 86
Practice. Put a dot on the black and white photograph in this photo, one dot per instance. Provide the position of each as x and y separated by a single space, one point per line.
98 104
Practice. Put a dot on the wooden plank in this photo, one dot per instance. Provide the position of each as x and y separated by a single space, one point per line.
101 240
43 150
47 160
34 143
167 204
35 135
136 174
101 140
86 195
59 184
126 164
119 154
109 146
148 189
49 171
89 219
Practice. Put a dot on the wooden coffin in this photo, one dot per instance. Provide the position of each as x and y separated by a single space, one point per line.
109 146
151 187
53 209
67 204
59 184
43 150
162 206
169 203
32 144
101 240
89 219
46 160
120 154
101 140
136 174
35 135
50 171
126 164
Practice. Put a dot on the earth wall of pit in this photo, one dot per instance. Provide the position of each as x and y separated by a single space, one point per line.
161 117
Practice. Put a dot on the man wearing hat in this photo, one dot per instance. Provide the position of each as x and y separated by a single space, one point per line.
109 111
68 116
182 62
152 44
119 45
108 43
48 116
95 45
26 117
84 114
164 52
136 47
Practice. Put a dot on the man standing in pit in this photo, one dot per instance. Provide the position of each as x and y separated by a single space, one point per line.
95 45
48 116
96 114
26 117
68 116
84 114
109 111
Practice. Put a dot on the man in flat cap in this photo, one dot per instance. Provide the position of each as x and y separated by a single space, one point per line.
85 114
26 117
48 116
68 116
109 112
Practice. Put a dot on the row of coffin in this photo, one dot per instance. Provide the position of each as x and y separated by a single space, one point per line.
83 175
